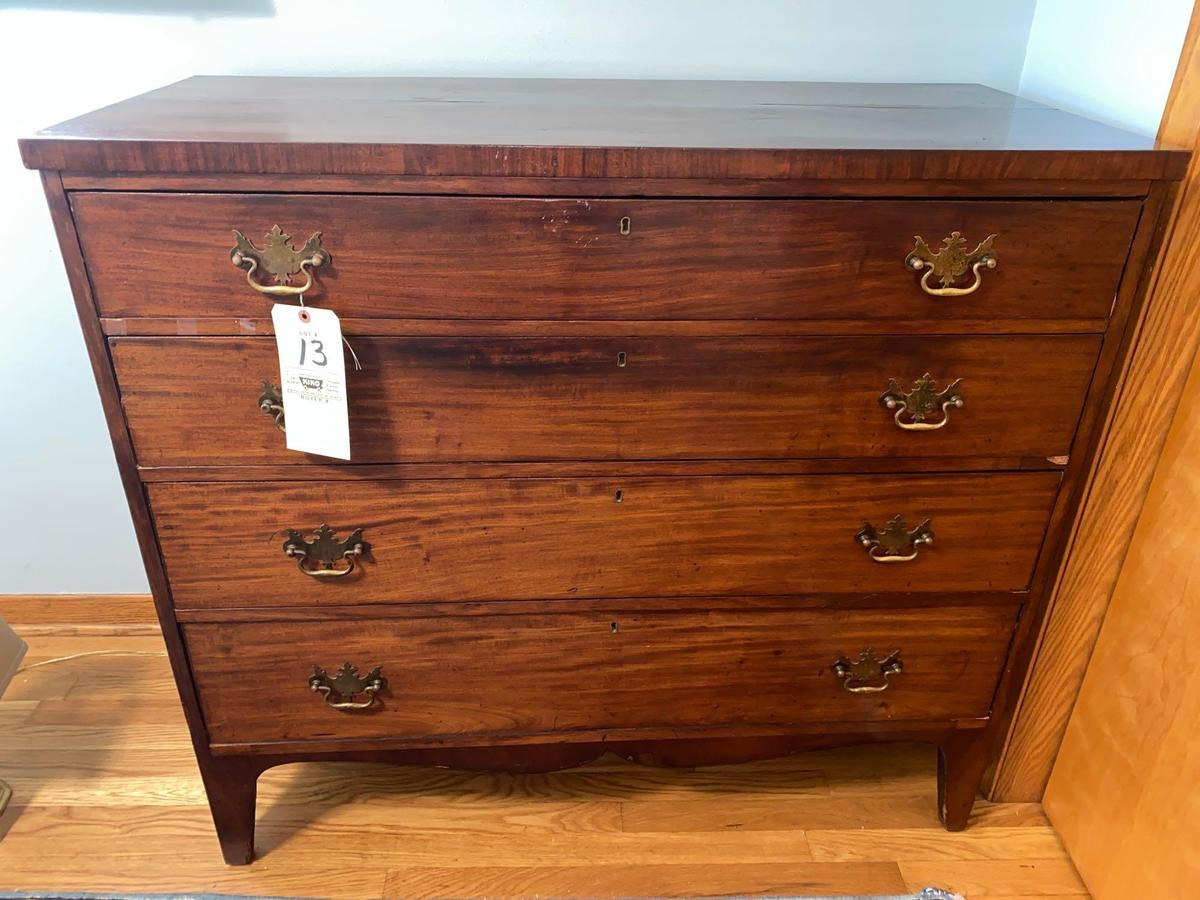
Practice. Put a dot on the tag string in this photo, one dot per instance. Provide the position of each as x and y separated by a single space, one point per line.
353 355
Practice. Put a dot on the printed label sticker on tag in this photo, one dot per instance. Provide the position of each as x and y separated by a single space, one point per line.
312 372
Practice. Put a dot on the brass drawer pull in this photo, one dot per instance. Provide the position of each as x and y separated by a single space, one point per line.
345 685
891 544
325 551
270 401
280 259
950 263
920 402
868 674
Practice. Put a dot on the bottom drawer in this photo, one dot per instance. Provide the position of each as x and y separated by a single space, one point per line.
505 676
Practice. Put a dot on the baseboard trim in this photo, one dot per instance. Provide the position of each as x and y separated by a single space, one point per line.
78 609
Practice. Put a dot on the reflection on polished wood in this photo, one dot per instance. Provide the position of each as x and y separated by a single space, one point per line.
108 798
595 128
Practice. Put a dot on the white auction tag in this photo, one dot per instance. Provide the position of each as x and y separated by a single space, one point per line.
312 373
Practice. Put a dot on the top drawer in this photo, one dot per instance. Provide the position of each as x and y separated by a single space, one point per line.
512 258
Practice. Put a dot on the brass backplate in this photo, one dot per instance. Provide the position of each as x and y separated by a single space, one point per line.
325 549
278 257
952 260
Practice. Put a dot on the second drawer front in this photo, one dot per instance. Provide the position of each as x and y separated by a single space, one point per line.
555 674
519 539
476 399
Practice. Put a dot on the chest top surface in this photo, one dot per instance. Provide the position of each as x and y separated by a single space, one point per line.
592 128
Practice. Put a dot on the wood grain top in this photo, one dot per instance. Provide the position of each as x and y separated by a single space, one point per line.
593 128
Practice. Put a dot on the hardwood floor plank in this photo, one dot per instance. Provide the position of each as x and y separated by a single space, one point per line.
589 782
997 878
14 712
21 734
723 814
385 816
40 684
359 835
161 709
1006 815
804 878
147 849
77 609
85 789
122 761
51 630
144 649
914 844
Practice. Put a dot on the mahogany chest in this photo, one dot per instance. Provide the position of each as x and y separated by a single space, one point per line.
696 422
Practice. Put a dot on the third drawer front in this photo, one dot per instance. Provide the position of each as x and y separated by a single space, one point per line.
537 674
226 544
512 399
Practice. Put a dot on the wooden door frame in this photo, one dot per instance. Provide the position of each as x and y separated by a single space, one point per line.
1165 344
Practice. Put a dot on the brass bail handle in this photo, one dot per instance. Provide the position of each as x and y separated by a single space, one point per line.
868 674
914 407
279 259
326 551
950 262
270 401
343 686
896 543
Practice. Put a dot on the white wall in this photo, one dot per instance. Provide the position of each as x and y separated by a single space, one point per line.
60 499
1111 60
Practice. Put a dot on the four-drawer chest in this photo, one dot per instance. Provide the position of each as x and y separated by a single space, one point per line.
695 422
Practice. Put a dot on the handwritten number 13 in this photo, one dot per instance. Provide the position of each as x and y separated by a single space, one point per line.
318 351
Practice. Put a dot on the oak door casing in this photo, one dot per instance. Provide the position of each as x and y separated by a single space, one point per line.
1146 398
1123 791
525 399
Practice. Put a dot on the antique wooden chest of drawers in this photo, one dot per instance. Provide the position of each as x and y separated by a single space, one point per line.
697 422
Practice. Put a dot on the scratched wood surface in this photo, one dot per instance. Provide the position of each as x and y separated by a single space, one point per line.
107 797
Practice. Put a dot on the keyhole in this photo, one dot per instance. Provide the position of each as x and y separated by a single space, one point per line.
622 359
618 496
626 222
612 627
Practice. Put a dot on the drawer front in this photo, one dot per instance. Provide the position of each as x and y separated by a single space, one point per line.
541 538
506 258
479 399
561 673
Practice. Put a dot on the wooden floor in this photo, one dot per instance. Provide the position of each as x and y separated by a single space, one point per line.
107 797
